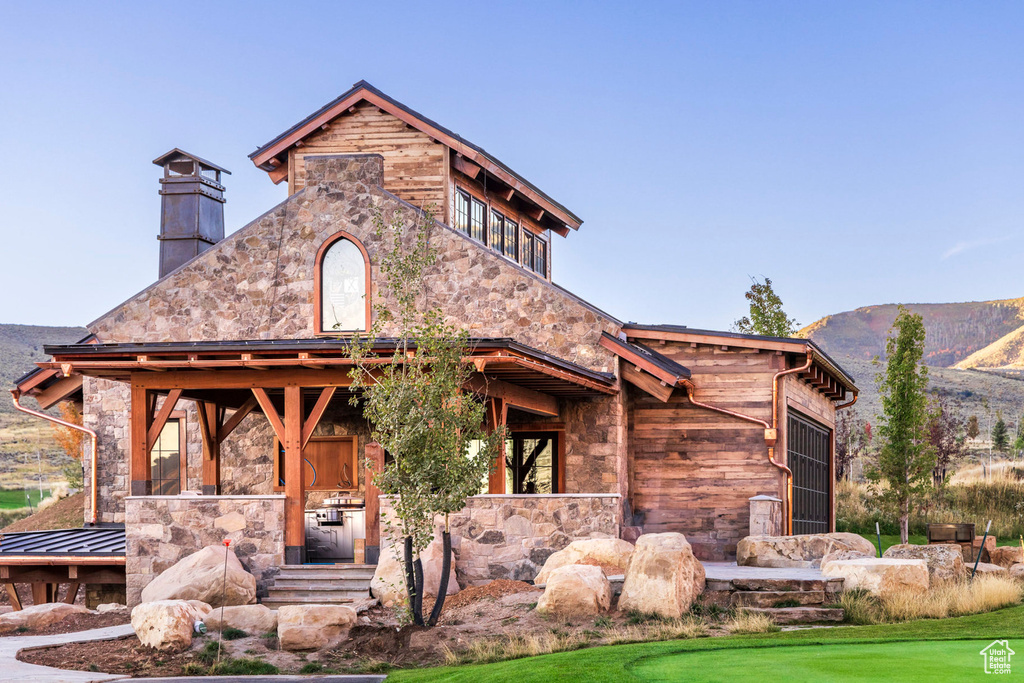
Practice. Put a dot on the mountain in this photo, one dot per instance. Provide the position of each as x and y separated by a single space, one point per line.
21 346
1004 354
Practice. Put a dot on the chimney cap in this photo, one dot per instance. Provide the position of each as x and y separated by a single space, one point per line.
177 154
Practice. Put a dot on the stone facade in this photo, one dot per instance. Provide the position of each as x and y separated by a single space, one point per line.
510 537
161 530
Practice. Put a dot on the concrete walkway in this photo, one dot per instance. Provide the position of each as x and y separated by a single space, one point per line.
14 671
727 571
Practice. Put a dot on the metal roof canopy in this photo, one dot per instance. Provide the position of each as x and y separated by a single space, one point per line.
90 542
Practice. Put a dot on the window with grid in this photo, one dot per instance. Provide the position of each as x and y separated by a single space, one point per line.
477 225
165 460
461 211
528 248
540 257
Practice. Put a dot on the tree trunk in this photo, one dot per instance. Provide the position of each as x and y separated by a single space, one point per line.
417 611
412 587
905 521
446 567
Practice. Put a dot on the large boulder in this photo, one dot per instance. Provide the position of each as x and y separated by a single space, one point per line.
662 577
576 590
388 583
1017 571
806 550
1006 555
882 576
604 552
202 576
253 619
313 627
945 562
989 569
167 624
39 616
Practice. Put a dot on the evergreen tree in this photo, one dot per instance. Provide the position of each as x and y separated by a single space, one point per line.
973 430
906 459
1000 434
766 315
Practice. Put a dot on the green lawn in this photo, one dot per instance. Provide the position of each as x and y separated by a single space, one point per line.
12 499
945 650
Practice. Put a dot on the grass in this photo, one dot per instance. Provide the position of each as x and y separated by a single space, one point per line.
905 650
954 598
13 499
751 622
232 633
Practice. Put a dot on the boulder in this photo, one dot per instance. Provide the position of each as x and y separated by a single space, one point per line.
388 583
201 576
880 576
945 562
39 616
111 607
253 619
989 569
1006 555
167 624
662 576
606 552
313 627
844 555
1017 571
576 590
806 550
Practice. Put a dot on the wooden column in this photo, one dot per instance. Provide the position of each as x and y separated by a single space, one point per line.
496 412
374 454
139 464
294 487
209 425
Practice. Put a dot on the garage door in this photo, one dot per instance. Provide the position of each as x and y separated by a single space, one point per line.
809 449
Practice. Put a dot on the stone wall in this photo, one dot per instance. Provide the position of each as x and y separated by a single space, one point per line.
160 530
510 537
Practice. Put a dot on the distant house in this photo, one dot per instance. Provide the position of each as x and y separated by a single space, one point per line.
220 393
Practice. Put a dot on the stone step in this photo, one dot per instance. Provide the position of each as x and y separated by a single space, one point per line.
345 583
801 615
327 567
276 603
759 584
337 574
316 595
777 598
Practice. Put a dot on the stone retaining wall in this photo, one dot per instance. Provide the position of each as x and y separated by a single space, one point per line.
501 536
160 530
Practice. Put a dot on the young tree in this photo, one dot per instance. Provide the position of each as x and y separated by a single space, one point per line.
947 434
973 430
1000 434
852 438
71 441
906 458
766 315
411 389
1018 439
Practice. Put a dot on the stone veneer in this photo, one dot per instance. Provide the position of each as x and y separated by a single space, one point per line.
511 536
160 530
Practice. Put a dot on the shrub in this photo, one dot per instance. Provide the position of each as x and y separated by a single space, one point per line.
312 668
244 667
860 607
751 622
232 633
208 655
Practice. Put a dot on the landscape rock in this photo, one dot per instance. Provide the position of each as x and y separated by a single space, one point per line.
662 576
1006 555
881 576
201 576
945 562
39 616
834 555
166 624
313 627
989 569
576 590
1017 571
806 550
609 552
388 583
111 607
253 619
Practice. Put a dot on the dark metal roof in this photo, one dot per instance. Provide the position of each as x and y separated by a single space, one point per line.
87 541
682 329
363 85
176 152
663 362
35 371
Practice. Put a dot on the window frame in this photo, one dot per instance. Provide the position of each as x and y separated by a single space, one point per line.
318 285
178 416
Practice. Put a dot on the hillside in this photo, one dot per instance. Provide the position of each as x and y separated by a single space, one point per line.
21 346
955 331
1006 353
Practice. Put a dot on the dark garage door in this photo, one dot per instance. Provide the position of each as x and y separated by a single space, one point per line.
808 445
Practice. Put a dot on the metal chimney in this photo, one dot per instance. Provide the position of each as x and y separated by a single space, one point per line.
191 208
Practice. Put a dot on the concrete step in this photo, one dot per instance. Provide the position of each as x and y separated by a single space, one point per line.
345 583
777 598
801 615
316 595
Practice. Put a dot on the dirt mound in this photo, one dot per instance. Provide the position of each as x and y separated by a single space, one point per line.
495 589
67 513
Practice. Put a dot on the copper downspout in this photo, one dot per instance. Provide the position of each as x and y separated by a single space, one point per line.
773 437
848 403
70 425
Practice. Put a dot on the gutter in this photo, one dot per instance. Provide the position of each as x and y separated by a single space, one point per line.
16 394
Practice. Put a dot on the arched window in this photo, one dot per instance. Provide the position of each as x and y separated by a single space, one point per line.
342 278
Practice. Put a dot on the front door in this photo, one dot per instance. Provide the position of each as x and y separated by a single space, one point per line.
809 450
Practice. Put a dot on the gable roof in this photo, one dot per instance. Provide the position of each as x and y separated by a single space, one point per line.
267 157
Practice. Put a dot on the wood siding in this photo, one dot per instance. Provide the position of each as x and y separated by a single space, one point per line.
415 166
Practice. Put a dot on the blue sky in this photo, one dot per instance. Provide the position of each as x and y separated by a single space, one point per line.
856 153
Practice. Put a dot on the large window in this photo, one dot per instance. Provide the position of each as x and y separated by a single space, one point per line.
342 273
500 232
167 459
531 464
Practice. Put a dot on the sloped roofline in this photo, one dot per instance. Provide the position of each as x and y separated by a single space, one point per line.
364 91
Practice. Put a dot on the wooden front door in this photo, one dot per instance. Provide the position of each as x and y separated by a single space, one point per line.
809 448
329 464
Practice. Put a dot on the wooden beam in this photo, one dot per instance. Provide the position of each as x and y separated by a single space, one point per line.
236 418
639 360
209 426
72 593
294 487
59 390
647 382
247 378
12 595
465 166
318 411
160 419
374 456
715 340
518 397
279 174
497 412
536 214
139 464
271 412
